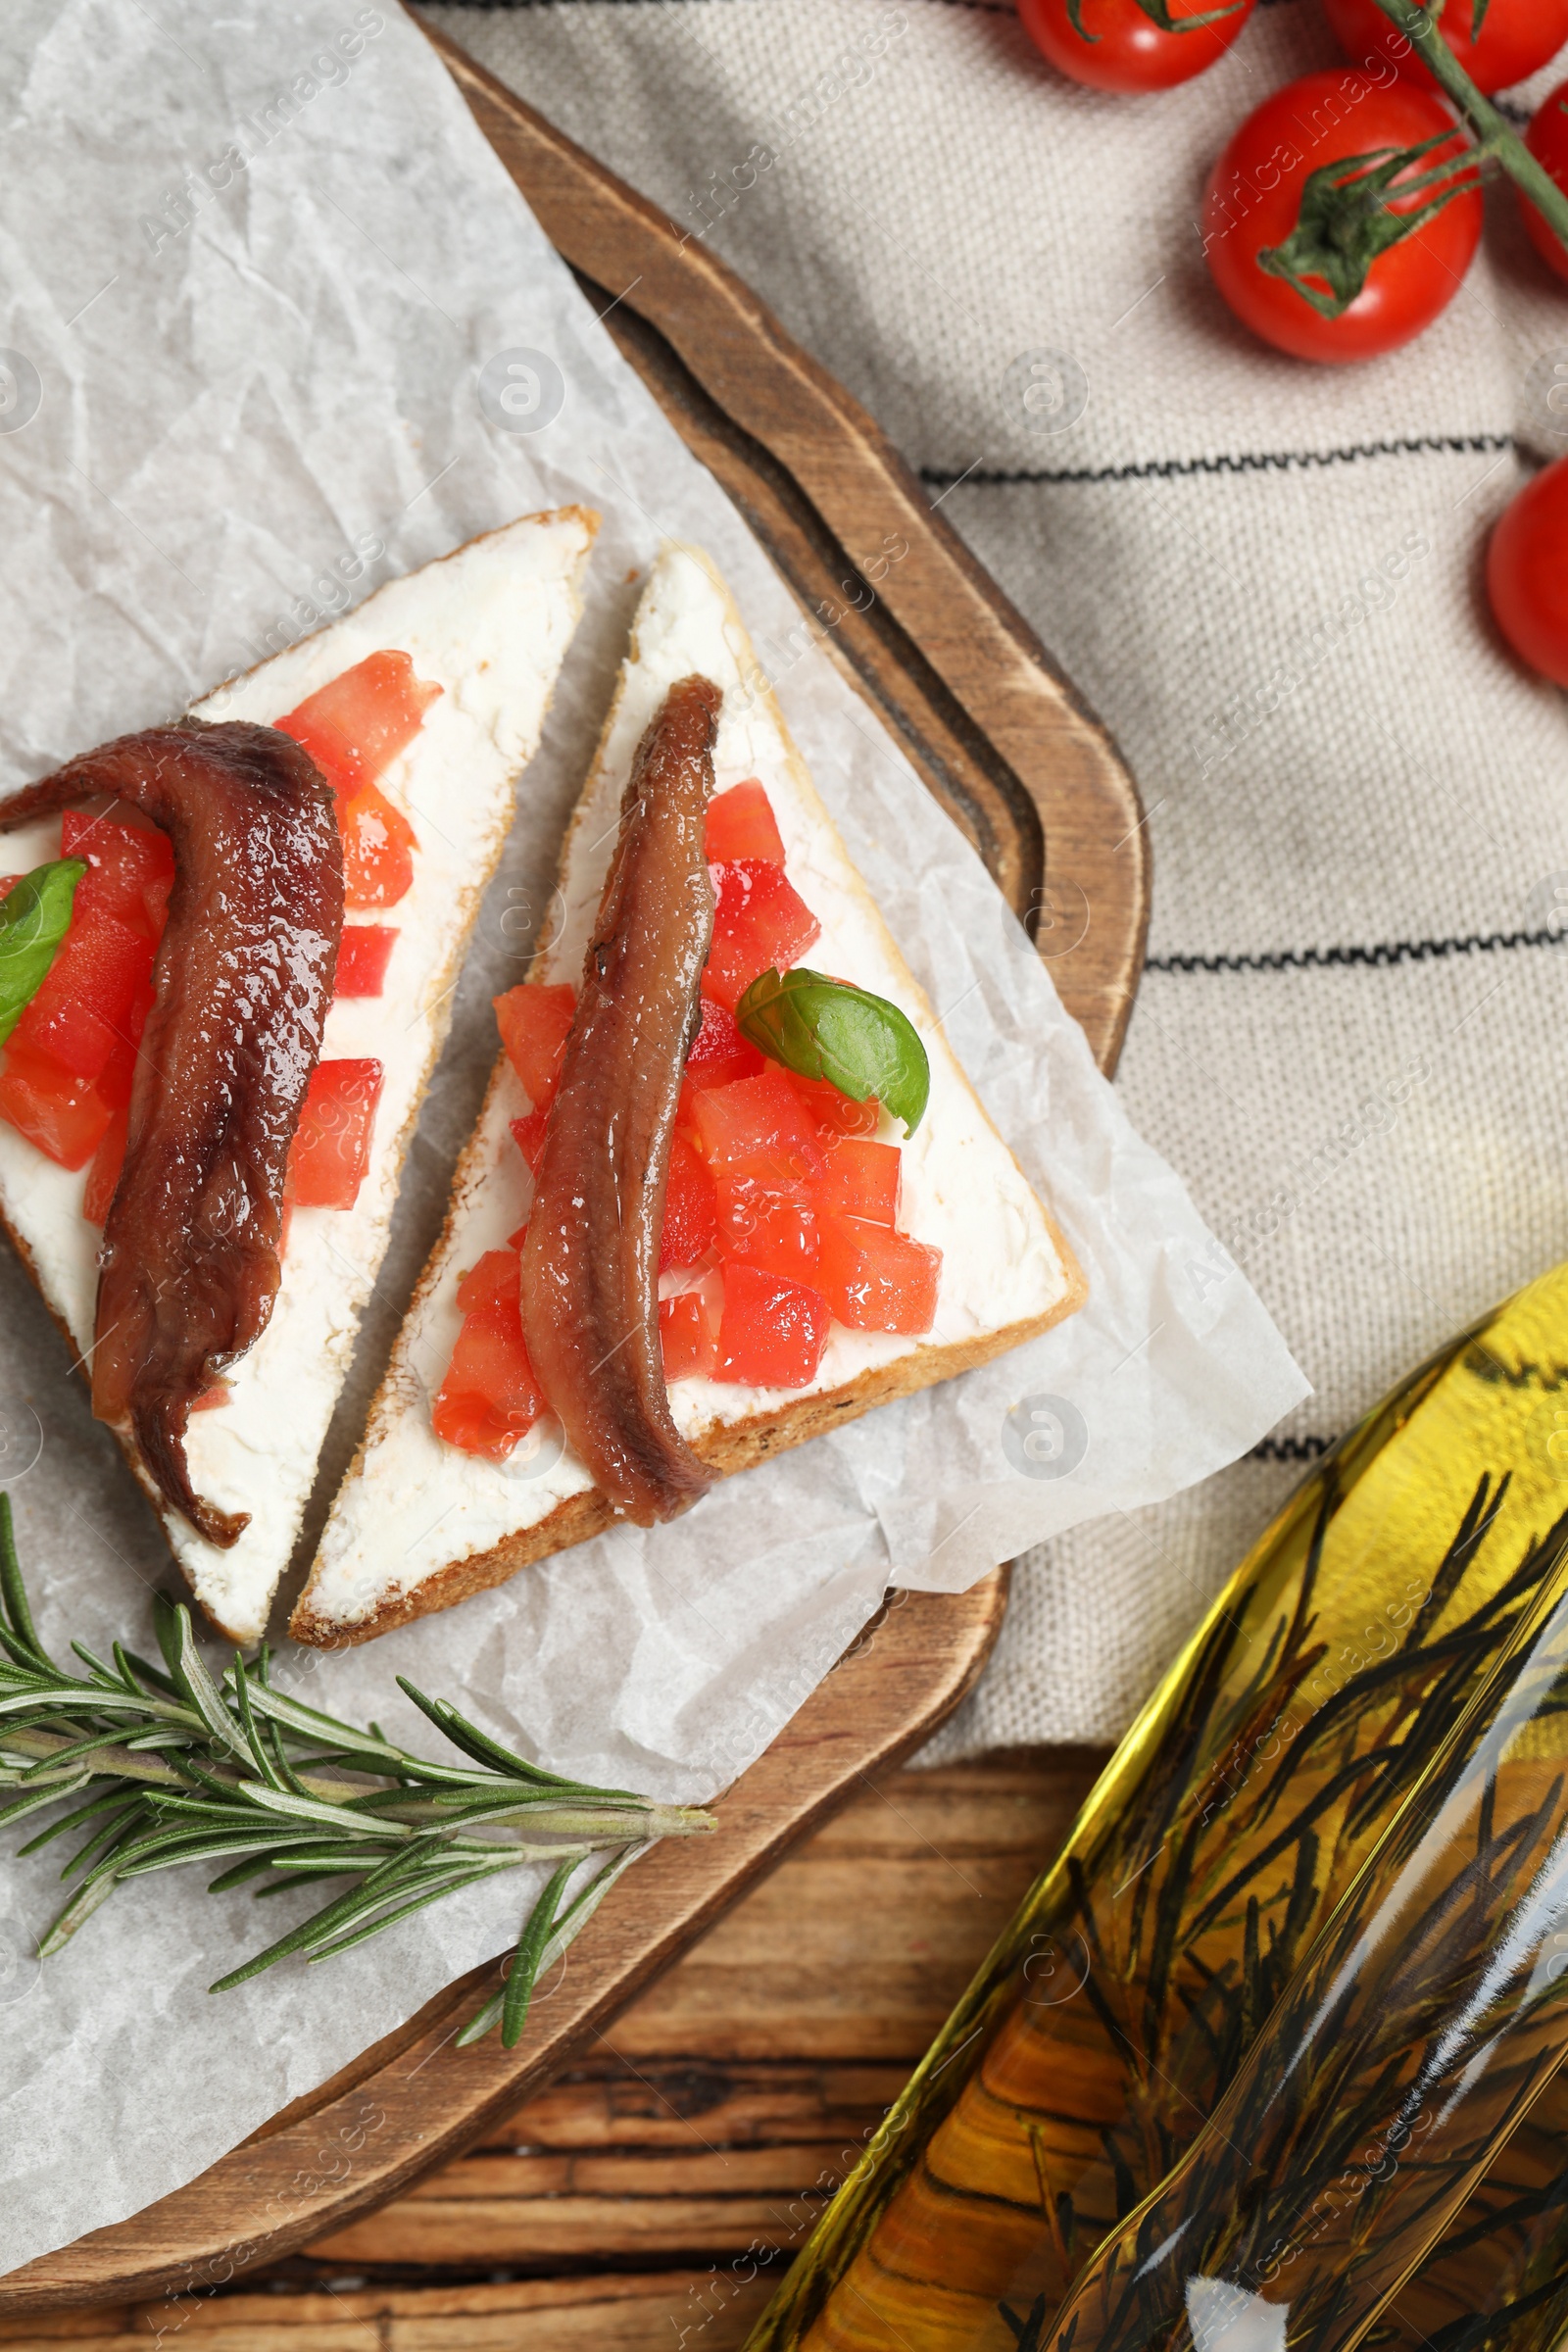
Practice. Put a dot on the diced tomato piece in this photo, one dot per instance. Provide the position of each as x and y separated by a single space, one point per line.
757 1124
363 958
772 1226
104 1174
65 1117
77 831
130 870
719 1053
103 965
352 728
760 921
378 845
741 824
73 1037
834 1112
533 1021
88 993
331 1150
529 1132
489 1398
773 1330
863 1179
493 1283
877 1280
355 726
691 1213
211 1399
120 1070
7 883
688 1332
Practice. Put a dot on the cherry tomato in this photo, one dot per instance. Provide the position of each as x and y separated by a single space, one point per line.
1254 199
1527 580
1548 141
1126 50
1517 39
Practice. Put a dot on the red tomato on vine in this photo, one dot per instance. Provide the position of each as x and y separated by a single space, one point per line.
1132 45
1517 37
1527 579
1306 220
1548 141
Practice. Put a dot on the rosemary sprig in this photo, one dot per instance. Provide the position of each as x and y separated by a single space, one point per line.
171 1767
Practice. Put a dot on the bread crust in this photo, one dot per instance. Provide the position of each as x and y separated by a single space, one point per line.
589 517
728 1447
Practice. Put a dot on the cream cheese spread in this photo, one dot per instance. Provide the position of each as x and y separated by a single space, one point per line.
490 624
412 1506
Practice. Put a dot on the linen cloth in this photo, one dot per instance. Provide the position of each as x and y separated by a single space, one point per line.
1266 578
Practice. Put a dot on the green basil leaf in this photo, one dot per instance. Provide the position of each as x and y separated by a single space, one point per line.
822 1028
34 918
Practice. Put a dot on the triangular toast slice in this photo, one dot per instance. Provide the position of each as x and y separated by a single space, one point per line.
490 624
417 1524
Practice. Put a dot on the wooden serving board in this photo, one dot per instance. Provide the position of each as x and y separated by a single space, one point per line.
994 731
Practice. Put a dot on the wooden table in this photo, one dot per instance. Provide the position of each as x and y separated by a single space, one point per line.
655 2192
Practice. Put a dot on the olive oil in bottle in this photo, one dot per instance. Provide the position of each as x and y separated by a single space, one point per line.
1117 2008
1429 2016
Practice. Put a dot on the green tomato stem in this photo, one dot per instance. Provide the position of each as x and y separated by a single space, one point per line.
1496 135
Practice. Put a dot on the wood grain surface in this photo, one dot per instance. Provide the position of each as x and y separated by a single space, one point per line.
414 2098
972 698
653 2194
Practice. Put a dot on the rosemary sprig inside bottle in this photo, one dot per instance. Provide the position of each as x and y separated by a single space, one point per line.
171 1767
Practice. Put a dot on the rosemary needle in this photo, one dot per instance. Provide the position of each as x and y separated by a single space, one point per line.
171 1767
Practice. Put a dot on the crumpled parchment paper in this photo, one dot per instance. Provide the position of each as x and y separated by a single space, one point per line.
264 291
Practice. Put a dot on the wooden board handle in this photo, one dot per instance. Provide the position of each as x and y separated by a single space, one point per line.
413 2099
